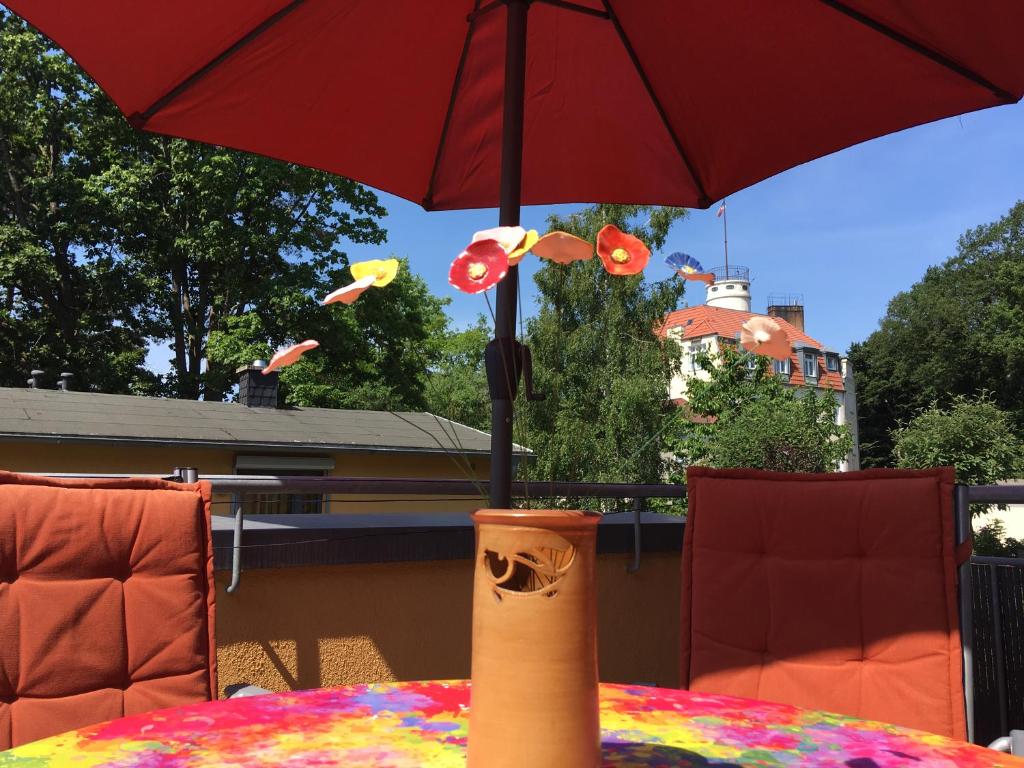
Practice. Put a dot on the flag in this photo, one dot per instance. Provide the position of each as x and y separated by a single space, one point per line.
721 210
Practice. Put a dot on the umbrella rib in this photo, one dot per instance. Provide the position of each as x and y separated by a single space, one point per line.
577 8
139 119
922 50
428 200
704 201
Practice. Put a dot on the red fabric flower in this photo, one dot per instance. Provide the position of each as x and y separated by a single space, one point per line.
481 266
620 253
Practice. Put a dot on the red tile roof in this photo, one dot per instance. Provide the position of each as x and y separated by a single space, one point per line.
702 321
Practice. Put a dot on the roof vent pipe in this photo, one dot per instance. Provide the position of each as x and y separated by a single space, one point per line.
36 382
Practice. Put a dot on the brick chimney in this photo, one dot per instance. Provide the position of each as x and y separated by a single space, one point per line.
789 308
255 389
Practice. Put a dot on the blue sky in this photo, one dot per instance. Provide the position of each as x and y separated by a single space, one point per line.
847 231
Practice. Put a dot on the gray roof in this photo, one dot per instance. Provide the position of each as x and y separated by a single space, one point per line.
42 414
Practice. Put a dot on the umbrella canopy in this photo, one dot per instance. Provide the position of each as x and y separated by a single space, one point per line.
639 101
479 103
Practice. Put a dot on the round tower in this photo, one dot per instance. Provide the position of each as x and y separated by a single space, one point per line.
731 289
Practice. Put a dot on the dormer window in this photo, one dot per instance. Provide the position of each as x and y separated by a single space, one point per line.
832 362
782 367
810 365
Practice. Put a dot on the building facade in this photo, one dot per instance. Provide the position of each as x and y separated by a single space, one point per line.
709 326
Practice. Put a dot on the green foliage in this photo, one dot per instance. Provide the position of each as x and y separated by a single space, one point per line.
959 331
597 359
68 301
220 234
373 354
746 417
991 539
457 383
973 434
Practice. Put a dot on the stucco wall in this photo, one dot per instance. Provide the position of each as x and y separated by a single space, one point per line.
30 456
336 625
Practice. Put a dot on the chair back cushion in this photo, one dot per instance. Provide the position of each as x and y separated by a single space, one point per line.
827 591
106 601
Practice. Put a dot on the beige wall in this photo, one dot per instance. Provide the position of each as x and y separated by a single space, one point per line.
26 456
338 625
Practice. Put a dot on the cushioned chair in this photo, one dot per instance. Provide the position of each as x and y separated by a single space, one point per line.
106 601
833 591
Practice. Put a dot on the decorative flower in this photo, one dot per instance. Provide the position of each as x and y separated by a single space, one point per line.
508 238
479 267
688 267
290 355
352 291
764 336
516 241
523 248
383 270
620 253
563 248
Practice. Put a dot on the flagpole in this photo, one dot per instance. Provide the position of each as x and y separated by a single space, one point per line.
725 236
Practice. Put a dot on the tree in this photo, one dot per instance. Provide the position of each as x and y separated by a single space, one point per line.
374 354
597 359
959 331
457 383
745 417
973 434
68 301
222 234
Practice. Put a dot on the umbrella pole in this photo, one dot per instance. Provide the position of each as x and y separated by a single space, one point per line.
503 390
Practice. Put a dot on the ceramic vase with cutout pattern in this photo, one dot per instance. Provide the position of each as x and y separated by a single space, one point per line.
533 700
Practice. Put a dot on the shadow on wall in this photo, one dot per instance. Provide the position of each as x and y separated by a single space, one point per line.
301 628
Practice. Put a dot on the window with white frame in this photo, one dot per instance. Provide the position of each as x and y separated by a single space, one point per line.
832 362
696 349
284 466
782 367
810 365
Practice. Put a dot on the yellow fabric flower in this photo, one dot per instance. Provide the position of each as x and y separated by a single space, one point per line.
384 270
517 253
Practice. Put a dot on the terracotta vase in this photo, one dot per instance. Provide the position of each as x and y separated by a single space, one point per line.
533 701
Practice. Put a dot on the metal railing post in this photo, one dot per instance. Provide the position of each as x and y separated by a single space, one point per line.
638 507
962 519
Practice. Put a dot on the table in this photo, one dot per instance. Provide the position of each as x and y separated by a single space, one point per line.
409 725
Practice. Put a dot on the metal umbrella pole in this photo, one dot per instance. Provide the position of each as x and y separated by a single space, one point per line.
504 357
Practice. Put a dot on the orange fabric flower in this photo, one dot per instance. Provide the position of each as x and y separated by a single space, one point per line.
563 248
290 355
621 254
764 336
481 266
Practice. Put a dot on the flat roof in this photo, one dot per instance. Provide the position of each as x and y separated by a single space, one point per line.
53 415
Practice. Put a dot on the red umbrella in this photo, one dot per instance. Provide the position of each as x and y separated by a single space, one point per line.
461 104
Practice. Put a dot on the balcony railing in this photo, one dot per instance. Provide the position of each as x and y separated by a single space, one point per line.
731 272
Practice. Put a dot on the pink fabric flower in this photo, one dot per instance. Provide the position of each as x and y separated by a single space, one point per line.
764 336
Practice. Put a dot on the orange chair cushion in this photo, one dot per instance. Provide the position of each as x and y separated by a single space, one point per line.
832 591
106 601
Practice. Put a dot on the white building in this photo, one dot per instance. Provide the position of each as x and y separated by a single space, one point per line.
718 320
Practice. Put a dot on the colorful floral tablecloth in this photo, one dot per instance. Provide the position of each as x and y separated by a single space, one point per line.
409 725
